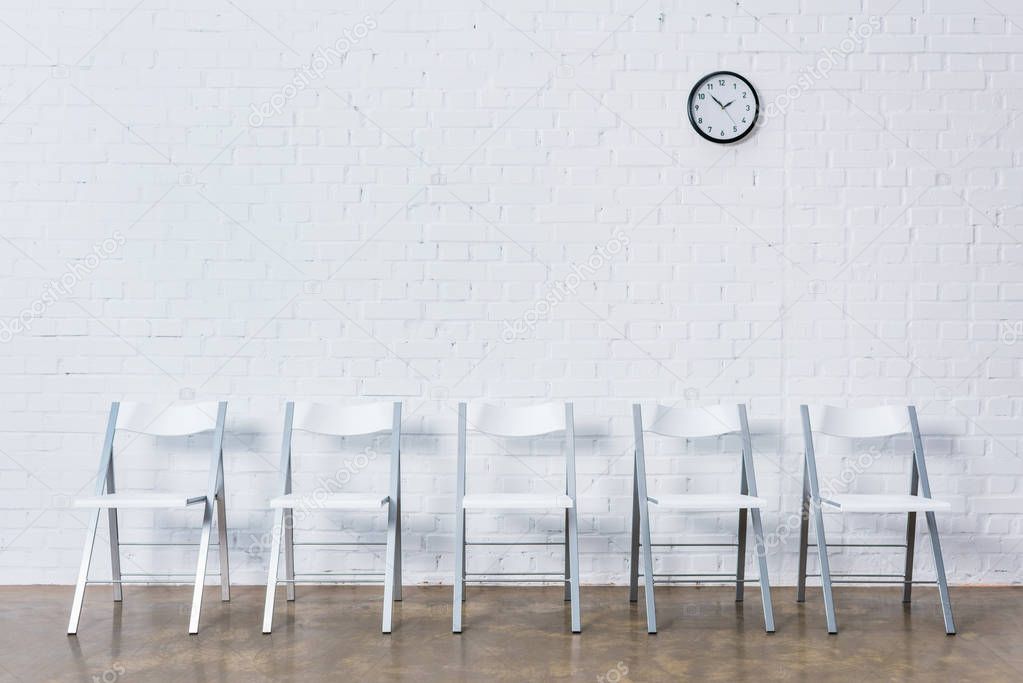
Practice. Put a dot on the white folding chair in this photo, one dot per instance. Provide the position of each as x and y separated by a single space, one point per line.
866 423
529 421
342 421
143 418
692 423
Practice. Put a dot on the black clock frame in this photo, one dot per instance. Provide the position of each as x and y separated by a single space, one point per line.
756 110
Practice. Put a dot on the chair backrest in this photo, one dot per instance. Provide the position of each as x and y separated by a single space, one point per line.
683 422
176 420
340 420
693 423
860 423
343 420
863 423
535 420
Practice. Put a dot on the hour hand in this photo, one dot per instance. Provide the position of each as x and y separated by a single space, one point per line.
723 106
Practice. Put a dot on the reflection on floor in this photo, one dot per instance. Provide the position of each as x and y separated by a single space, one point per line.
511 634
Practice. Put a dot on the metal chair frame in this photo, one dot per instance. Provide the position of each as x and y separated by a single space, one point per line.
350 422
694 423
190 423
518 428
812 506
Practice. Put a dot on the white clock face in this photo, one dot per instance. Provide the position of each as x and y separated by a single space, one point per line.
723 107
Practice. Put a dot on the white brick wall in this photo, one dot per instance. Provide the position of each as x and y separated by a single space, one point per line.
260 201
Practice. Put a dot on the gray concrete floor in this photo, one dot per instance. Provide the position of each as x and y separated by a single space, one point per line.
511 634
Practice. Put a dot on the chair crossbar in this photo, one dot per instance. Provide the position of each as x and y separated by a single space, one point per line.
185 574
552 580
138 544
730 577
669 581
332 573
888 579
890 582
555 574
861 545
538 543
692 545
176 581
865 576
338 543
338 581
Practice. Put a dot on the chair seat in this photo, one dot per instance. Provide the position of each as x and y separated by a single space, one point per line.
709 502
331 501
858 502
140 499
516 501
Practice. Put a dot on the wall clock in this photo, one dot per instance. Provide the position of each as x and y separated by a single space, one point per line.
723 107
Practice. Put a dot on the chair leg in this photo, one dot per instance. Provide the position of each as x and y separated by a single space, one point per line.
115 554
200 568
939 570
740 566
765 583
391 558
822 552
568 567
648 568
397 555
225 566
289 552
804 533
907 587
573 544
634 544
459 577
271 577
464 591
83 574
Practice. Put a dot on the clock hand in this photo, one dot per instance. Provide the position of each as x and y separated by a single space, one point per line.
727 105
718 101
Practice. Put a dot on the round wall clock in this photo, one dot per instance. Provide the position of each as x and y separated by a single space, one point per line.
723 107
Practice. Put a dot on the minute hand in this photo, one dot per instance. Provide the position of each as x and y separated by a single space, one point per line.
724 106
